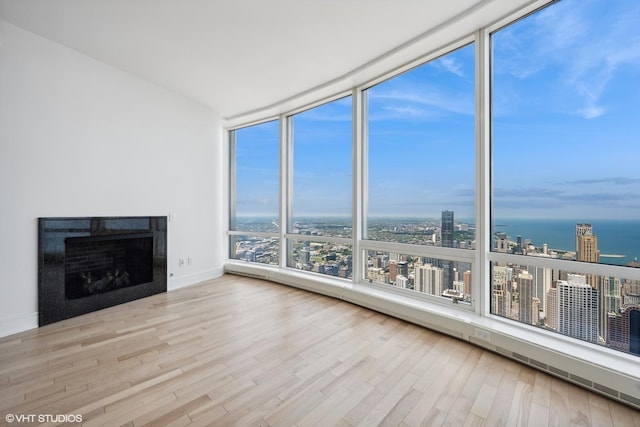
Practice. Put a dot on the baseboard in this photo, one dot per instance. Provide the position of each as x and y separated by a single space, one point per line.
22 322
192 279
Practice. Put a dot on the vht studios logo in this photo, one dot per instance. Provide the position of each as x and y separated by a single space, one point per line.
43 418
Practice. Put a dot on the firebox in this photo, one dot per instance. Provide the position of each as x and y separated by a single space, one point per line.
90 263
100 264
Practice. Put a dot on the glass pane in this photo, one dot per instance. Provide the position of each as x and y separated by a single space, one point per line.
421 153
322 163
255 249
598 309
430 276
331 259
257 178
565 108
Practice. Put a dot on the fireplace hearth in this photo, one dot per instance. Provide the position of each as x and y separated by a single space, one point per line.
90 263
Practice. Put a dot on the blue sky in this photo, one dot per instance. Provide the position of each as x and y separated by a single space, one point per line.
566 109
566 129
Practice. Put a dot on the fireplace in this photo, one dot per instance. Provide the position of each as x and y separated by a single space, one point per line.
90 263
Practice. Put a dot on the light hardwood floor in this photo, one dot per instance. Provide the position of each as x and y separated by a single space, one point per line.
240 351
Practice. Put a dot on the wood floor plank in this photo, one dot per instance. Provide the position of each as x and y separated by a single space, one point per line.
245 352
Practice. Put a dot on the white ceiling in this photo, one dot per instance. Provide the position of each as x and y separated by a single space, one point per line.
243 56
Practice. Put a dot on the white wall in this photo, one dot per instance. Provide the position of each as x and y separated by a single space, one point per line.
80 138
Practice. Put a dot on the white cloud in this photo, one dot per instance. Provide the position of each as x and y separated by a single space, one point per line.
582 45
591 112
451 65
410 96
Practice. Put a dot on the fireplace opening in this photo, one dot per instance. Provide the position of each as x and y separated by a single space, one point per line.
99 264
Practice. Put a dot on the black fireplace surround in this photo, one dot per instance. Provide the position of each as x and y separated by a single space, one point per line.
90 263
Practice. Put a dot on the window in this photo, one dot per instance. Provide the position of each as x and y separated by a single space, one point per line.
565 131
322 158
566 102
321 222
421 154
254 207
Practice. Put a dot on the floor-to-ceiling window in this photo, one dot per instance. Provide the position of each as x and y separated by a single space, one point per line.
254 204
320 209
566 182
400 202
420 168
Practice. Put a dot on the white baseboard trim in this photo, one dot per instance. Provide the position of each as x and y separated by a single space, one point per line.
192 279
18 323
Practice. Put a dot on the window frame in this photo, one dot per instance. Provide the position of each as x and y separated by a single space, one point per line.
232 192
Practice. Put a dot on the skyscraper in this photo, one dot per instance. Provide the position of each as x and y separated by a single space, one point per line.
446 240
551 319
403 268
577 304
581 229
587 251
502 244
525 297
500 290
624 329
542 277
610 302
429 279
447 229
393 271
466 278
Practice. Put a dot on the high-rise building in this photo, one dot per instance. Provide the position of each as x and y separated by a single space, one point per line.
402 281
551 318
429 279
525 297
305 256
587 251
446 229
502 244
393 271
397 268
403 268
535 311
577 304
624 329
610 302
542 278
501 290
447 241
466 278
376 274
581 230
